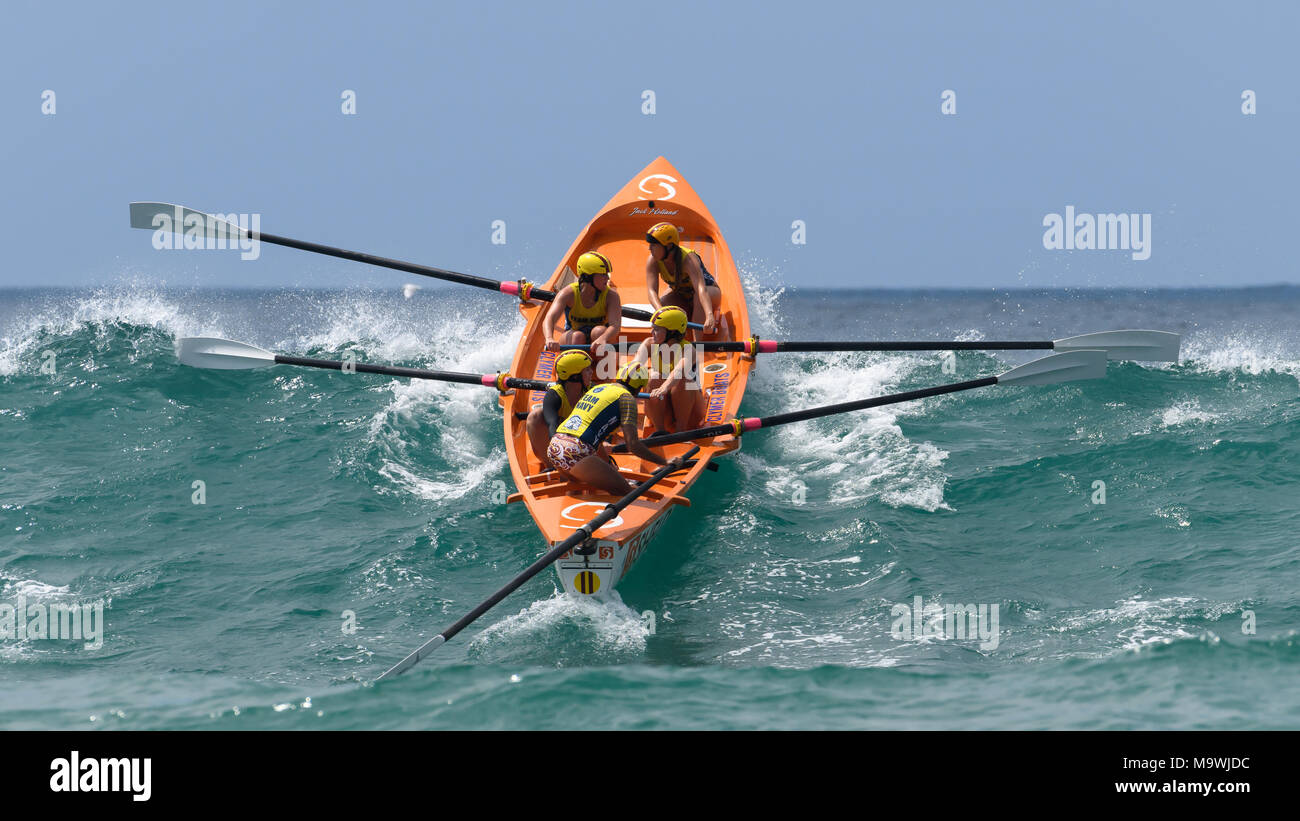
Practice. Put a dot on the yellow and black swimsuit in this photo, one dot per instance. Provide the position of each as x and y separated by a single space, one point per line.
555 411
601 410
664 357
580 316
681 284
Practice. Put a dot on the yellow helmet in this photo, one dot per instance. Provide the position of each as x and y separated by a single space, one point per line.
634 375
664 233
592 263
670 317
571 364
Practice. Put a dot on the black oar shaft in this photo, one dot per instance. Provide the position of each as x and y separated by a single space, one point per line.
938 345
863 404
413 373
536 567
814 413
426 271
396 264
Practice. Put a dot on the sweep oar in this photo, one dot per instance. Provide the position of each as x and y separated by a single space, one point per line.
583 533
226 354
154 216
1059 367
1140 346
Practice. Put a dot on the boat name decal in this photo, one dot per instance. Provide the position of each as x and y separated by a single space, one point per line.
545 370
665 182
717 398
658 212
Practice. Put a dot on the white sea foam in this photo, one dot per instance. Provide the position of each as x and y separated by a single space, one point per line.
1140 623
1185 412
130 304
1239 353
604 619
863 454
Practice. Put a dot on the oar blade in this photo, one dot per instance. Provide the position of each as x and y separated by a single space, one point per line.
1139 346
413 659
1057 367
176 219
221 354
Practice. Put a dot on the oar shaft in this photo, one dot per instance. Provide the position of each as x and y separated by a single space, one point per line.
413 373
774 346
813 413
863 404
583 533
398 265
511 288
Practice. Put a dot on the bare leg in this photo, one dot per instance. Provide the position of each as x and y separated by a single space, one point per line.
538 436
600 474
688 406
574 337
606 365
656 408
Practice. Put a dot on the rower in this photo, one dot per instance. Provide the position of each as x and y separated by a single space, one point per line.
602 410
691 287
676 401
573 375
592 310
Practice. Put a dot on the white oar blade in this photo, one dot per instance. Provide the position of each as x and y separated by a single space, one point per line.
222 354
177 219
1139 346
1058 367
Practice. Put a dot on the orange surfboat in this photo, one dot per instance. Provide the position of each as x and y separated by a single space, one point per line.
559 507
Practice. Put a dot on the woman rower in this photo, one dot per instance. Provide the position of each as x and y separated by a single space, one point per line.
603 409
676 401
691 287
592 310
572 378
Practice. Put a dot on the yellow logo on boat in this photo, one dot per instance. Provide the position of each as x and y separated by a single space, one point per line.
586 582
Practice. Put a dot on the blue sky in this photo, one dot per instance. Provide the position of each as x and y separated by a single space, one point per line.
531 113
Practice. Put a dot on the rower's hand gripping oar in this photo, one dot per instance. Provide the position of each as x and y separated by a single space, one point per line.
226 355
1139 346
1059 367
583 533
177 219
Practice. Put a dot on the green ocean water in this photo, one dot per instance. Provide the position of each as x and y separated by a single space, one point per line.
769 604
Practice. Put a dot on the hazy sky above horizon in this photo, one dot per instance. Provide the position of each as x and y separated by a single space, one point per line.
829 113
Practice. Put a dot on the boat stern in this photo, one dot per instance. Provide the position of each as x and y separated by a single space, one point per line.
598 567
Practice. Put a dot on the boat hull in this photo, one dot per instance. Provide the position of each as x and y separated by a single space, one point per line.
659 193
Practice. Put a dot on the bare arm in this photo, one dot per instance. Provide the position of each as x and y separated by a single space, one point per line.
627 419
696 269
561 301
652 283
613 316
